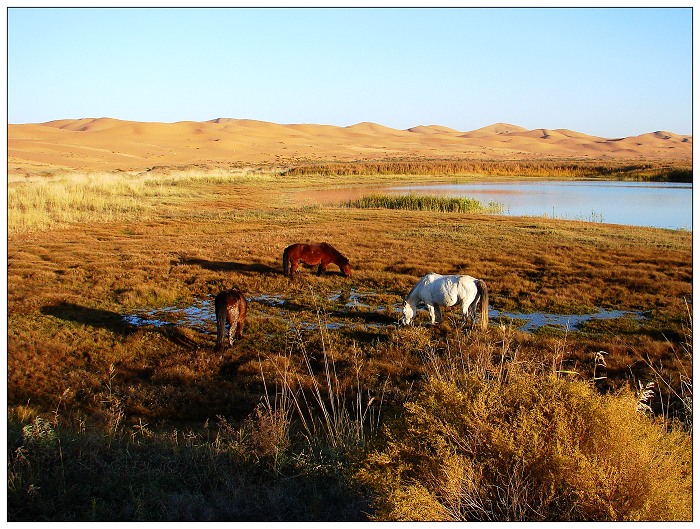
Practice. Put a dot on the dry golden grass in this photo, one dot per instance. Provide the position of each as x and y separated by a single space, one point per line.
67 198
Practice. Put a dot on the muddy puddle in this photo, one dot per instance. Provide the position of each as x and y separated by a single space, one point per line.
349 304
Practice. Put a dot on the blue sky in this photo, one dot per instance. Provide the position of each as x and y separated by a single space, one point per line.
607 72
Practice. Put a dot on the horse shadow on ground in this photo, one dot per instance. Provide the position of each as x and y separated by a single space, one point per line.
113 322
227 266
233 360
104 319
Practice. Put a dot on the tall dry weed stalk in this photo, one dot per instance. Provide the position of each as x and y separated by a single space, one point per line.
672 394
325 409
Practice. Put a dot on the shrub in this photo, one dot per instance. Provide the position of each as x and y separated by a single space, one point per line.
529 448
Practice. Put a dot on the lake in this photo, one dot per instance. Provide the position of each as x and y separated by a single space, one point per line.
656 204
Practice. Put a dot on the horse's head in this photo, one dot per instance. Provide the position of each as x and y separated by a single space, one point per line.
408 313
345 267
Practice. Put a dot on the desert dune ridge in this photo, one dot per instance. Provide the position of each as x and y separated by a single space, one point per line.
111 144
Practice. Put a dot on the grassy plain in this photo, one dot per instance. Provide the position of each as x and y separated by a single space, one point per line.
321 357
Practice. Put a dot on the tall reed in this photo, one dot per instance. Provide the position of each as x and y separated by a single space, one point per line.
676 171
315 402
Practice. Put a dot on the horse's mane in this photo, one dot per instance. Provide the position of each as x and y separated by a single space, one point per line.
336 254
415 287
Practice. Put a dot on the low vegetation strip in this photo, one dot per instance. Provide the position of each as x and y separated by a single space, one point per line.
648 171
425 203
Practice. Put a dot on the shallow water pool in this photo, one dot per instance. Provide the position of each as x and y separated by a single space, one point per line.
200 315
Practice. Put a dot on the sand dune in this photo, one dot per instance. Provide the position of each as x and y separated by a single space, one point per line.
106 143
433 129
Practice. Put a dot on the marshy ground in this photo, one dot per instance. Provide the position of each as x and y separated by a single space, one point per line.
118 313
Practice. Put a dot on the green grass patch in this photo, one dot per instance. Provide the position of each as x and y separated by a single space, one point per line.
425 203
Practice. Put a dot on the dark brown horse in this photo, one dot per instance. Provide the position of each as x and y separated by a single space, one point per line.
321 254
230 306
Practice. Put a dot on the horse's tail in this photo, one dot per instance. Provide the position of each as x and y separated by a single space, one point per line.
285 261
483 292
220 309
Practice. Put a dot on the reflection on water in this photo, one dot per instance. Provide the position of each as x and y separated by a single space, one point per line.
199 316
656 204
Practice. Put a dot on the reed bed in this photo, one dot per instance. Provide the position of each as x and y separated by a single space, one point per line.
78 198
648 171
425 203
68 198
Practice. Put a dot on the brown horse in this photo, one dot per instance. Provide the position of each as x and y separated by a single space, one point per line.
321 254
231 306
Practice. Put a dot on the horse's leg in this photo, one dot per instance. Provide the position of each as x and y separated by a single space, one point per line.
322 267
293 268
431 311
466 311
233 316
438 314
220 324
242 311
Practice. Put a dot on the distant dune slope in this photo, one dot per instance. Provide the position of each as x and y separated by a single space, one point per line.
106 143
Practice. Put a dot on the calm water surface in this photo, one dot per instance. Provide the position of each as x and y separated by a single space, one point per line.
656 204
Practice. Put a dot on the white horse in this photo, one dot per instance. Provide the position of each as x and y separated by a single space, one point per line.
437 291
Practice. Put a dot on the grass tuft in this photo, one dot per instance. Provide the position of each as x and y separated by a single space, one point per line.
425 203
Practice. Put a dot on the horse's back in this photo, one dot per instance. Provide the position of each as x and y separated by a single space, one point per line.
228 298
325 251
295 249
445 289
467 280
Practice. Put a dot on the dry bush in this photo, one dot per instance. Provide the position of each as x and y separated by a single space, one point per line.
502 443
